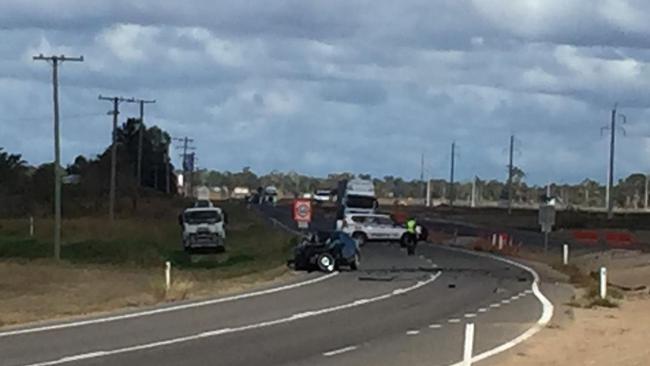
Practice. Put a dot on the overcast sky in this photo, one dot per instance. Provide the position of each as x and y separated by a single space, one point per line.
340 85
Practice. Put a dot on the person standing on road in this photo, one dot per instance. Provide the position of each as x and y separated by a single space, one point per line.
411 236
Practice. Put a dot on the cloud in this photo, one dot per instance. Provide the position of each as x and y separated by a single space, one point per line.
322 86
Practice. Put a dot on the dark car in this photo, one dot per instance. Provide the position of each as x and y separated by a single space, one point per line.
326 252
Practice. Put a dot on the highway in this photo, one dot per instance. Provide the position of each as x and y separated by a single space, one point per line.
396 310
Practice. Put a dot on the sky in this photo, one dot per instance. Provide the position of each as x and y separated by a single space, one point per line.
340 85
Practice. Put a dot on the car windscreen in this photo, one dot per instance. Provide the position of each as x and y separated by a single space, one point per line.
202 217
364 202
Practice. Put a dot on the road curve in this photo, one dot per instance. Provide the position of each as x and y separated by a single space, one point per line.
398 309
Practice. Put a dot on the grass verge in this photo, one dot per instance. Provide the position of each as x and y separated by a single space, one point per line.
106 267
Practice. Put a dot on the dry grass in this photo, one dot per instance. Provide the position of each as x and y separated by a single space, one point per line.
121 266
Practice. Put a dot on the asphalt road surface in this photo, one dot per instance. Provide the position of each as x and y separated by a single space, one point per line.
397 310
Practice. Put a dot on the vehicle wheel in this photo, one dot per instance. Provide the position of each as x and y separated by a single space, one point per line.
326 262
361 238
356 261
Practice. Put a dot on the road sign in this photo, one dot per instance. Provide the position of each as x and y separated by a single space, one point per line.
302 211
546 217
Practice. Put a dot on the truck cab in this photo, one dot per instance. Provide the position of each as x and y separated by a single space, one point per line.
203 229
356 196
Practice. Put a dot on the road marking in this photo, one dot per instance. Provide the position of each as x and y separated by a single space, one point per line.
167 309
435 326
547 309
339 351
528 292
412 332
505 301
482 310
516 297
454 320
470 315
495 305
218 332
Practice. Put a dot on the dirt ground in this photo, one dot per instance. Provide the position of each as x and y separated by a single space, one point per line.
594 336
590 337
43 290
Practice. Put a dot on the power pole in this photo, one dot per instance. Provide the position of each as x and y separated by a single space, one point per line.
645 204
452 192
510 170
473 202
167 183
610 169
55 61
187 160
142 102
115 112
424 188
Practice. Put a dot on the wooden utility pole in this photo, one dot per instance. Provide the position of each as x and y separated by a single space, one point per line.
142 102
115 112
55 61
452 192
510 171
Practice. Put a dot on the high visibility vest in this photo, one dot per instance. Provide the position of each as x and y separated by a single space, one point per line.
410 226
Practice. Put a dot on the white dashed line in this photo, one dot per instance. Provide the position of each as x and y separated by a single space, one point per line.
470 315
528 292
495 305
454 320
413 332
482 310
505 301
339 351
435 326
516 297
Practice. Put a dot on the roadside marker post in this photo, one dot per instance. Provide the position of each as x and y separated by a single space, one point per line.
565 254
31 226
168 275
469 344
603 282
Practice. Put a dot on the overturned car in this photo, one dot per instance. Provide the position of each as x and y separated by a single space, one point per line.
326 252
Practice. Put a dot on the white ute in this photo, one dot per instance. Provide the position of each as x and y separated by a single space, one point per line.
203 229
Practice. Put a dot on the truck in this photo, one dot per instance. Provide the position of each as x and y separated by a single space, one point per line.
203 228
355 196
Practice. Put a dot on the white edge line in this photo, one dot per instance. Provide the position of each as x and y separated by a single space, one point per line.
217 332
165 309
547 309
339 351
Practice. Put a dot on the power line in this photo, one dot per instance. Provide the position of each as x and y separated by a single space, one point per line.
55 61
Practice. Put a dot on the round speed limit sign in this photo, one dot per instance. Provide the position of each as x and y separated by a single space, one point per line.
302 210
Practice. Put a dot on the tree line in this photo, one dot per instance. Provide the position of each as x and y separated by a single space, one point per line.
629 192
28 190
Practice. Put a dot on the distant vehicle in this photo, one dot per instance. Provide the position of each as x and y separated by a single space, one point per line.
356 196
270 195
327 252
203 229
322 195
364 227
